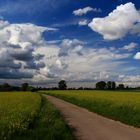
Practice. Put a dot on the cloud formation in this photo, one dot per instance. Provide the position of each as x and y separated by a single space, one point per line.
26 55
137 55
72 61
83 22
17 46
83 11
121 21
130 46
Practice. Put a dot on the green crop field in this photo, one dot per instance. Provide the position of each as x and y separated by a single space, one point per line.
29 116
17 110
123 106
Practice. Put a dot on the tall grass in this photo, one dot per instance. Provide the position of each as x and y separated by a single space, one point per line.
47 126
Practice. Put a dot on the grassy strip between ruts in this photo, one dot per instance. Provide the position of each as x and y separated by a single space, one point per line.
48 125
120 106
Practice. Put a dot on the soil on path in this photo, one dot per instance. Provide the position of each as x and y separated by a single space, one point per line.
90 126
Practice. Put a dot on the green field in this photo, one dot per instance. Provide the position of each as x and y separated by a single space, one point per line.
29 116
17 111
122 106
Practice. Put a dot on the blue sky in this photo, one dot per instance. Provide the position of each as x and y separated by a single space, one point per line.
82 42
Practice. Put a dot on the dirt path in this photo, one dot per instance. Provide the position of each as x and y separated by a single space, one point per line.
90 126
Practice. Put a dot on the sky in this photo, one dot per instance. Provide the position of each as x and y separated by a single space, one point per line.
80 41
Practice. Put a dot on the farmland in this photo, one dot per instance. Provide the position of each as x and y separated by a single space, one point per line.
28 116
17 110
121 106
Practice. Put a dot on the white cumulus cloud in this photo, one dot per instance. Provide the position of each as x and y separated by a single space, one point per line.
118 23
83 11
137 55
83 22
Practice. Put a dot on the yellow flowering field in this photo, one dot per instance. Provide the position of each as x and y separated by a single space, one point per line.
17 111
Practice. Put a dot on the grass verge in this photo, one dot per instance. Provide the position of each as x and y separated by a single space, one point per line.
48 125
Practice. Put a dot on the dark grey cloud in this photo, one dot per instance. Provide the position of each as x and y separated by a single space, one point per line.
14 74
23 55
38 56
18 43
7 61
33 65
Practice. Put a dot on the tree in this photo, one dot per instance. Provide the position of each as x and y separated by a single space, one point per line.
101 85
111 85
5 87
121 86
24 86
62 85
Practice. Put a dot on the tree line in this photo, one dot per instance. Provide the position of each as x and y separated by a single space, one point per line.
23 87
101 85
26 87
62 85
110 85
